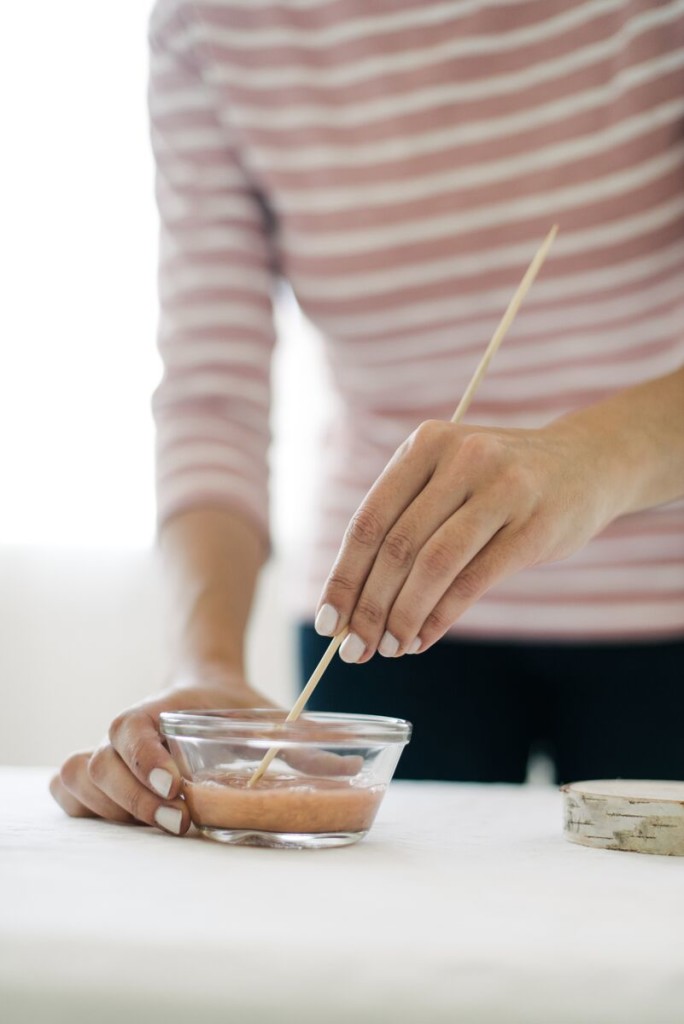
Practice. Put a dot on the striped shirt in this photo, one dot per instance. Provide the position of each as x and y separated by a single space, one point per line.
398 162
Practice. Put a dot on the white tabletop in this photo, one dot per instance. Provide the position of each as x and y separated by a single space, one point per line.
463 904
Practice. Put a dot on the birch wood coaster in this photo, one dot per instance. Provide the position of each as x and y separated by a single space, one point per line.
640 815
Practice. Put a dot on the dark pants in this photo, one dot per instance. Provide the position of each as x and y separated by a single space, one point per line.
478 709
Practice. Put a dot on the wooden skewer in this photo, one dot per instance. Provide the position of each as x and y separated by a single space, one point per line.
461 409
298 706
506 321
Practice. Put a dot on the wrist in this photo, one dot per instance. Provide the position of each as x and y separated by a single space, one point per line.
228 686
600 462
201 671
637 440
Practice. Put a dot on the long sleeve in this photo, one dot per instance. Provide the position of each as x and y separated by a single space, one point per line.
216 331
414 155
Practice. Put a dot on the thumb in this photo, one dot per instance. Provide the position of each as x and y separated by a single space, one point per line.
135 737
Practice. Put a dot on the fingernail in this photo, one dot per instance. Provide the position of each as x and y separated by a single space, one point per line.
161 781
352 649
389 645
326 621
414 646
169 818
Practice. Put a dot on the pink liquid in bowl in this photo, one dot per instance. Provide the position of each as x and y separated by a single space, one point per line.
281 803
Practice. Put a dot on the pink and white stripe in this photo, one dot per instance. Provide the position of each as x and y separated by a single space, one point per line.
398 163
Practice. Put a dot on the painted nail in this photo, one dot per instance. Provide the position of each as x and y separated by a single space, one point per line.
161 781
352 649
414 646
326 621
169 818
389 645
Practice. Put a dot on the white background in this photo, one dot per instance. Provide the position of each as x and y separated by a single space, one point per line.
81 631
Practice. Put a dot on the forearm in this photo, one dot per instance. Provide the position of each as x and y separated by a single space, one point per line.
212 558
636 438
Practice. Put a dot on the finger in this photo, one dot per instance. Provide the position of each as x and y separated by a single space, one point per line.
73 807
439 563
135 737
323 762
75 778
508 552
109 773
401 481
437 502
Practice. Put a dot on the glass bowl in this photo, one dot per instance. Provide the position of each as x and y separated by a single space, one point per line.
323 787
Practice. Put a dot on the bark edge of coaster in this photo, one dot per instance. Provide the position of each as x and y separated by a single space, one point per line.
639 815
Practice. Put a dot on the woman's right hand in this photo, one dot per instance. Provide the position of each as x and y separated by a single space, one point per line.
131 776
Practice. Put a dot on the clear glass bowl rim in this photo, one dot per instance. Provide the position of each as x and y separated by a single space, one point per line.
230 724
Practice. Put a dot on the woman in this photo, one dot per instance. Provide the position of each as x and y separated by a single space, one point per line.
398 164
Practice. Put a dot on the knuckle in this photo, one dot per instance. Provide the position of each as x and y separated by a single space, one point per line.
368 613
479 448
97 765
117 727
518 480
56 786
436 623
398 549
429 429
136 754
365 527
426 435
72 769
340 581
402 623
469 584
437 560
127 739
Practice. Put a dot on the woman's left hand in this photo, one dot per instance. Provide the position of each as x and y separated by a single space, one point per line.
456 510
